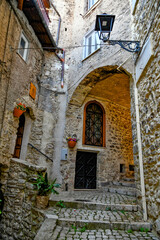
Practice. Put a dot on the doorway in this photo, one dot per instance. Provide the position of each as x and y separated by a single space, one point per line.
86 169
20 132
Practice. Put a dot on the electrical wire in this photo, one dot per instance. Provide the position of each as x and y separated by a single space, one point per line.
59 48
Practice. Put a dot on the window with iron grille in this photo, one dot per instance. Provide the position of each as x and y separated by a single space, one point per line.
94 125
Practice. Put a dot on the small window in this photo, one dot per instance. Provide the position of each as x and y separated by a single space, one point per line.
91 3
91 43
23 47
131 167
122 168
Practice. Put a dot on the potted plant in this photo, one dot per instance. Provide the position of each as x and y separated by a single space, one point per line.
19 110
44 190
72 141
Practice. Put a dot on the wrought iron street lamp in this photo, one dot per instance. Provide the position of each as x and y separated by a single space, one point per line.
104 25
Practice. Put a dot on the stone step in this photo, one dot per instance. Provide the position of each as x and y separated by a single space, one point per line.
96 225
68 233
124 184
121 190
96 206
98 219
95 197
128 179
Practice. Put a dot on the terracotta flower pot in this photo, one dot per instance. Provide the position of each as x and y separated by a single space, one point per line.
17 112
71 144
42 201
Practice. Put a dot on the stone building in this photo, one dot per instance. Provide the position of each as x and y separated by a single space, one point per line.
100 94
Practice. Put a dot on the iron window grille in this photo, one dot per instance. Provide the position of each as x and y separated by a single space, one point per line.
94 125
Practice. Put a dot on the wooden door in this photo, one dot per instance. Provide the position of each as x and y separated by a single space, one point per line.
86 168
20 131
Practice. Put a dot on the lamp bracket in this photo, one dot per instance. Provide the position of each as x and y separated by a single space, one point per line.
130 46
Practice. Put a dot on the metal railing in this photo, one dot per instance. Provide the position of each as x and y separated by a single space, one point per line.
40 151
43 10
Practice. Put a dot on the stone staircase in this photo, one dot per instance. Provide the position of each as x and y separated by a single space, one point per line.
125 186
96 215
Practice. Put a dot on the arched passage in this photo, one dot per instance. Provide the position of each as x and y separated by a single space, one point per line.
111 88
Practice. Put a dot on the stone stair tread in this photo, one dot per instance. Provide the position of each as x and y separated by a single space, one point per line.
124 184
96 206
121 190
68 233
94 213
98 215
94 197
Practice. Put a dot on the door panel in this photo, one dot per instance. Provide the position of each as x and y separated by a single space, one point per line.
86 167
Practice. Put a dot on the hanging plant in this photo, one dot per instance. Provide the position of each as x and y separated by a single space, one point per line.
71 141
19 110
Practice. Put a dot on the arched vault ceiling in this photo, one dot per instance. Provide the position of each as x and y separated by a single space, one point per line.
106 82
114 88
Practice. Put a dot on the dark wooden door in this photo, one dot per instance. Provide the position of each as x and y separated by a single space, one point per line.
86 168
19 137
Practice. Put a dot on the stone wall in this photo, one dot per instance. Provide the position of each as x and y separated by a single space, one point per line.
118 150
16 74
146 19
20 220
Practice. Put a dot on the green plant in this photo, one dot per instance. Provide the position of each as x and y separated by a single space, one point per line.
122 211
44 187
61 204
130 231
144 230
83 229
108 208
75 228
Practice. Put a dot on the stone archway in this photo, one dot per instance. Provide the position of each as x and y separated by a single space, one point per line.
111 88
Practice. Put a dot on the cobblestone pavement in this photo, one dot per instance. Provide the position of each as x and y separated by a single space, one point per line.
96 197
71 234
100 211
109 216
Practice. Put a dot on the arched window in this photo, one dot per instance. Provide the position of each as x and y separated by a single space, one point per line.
94 124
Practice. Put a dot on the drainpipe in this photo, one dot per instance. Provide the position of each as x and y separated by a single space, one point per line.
59 23
57 40
62 62
140 154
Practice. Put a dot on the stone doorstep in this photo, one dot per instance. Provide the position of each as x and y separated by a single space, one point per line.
135 226
96 206
120 190
124 184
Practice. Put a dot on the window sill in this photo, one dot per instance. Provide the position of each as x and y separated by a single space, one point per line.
92 8
22 57
91 54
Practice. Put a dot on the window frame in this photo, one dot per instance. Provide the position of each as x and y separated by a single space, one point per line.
104 124
91 3
95 43
25 53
